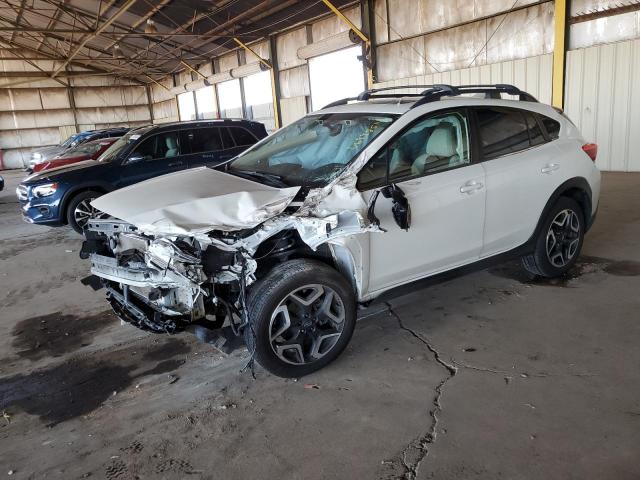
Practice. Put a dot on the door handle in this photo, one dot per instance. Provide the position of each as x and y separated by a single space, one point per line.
175 164
549 167
471 187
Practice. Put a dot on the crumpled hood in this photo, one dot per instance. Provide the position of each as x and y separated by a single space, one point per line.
195 201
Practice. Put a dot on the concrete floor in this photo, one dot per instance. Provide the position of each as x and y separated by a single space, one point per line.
486 376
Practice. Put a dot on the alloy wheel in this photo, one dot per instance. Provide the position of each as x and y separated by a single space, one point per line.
307 324
85 212
563 238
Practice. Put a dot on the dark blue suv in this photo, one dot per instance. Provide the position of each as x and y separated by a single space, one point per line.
63 195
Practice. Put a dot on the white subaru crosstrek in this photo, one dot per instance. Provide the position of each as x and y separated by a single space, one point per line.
280 245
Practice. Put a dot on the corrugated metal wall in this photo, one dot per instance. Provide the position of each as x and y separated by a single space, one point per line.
39 113
531 74
603 100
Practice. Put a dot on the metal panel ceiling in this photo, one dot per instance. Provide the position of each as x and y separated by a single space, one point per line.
84 33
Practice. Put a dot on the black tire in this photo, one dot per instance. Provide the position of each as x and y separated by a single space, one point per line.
539 262
275 288
73 205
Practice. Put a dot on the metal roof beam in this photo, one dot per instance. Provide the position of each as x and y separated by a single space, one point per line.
99 30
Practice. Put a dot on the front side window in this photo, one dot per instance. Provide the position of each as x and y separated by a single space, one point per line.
431 145
502 131
163 145
205 140
122 144
313 150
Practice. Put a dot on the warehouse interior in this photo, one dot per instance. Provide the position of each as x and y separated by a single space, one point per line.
488 375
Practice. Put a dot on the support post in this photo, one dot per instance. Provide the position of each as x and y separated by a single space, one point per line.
368 47
272 66
369 25
275 82
72 104
149 103
559 52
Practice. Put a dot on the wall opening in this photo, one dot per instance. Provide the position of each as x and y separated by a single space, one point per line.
258 97
336 75
206 103
230 99
186 106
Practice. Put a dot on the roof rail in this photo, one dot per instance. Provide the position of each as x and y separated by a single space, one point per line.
435 92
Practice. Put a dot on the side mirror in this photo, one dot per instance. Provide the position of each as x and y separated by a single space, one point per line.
401 209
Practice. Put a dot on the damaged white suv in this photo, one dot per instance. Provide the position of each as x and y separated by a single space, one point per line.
283 243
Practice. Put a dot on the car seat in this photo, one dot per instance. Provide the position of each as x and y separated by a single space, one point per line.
440 150
172 147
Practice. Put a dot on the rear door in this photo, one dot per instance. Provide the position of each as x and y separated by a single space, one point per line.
205 146
432 163
156 155
520 164
242 138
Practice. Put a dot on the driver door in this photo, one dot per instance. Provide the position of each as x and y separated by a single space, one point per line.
431 162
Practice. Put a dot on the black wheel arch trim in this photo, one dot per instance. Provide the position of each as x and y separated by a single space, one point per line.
76 189
575 185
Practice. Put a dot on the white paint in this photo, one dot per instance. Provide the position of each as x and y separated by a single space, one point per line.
195 200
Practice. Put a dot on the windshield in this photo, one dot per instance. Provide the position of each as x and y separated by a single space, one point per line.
69 141
311 151
84 149
119 145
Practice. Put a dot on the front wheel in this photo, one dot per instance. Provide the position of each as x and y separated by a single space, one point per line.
80 211
559 241
302 316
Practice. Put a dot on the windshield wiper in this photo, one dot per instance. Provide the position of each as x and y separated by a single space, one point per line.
276 180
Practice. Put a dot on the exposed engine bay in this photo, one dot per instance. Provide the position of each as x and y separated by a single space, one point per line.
189 245
165 283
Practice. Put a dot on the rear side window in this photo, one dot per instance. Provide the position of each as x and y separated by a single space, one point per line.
227 141
552 127
205 140
242 137
502 131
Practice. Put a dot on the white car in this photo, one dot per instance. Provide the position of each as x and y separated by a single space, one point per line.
282 243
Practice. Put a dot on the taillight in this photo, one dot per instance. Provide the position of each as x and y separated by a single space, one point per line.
591 149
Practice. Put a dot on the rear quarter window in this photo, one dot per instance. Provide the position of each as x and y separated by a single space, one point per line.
551 126
242 136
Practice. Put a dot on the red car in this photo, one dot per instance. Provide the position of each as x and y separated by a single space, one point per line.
86 151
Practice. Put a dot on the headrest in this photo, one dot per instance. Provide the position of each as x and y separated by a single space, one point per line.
442 142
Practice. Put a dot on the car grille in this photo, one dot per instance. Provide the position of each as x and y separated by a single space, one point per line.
22 192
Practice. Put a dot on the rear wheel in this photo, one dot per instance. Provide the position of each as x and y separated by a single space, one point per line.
559 241
302 316
80 211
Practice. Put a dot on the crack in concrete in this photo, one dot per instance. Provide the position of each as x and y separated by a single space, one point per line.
418 449
511 374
